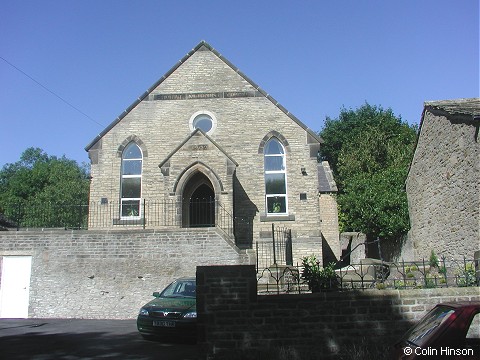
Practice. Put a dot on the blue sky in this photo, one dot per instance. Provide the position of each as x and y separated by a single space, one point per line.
314 57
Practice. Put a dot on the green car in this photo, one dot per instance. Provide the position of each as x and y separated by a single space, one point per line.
172 313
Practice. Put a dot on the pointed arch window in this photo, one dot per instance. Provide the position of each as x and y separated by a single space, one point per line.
275 178
131 181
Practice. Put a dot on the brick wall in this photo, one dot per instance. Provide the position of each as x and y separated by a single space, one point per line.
95 274
232 316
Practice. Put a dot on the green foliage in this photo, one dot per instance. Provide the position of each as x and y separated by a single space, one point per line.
319 278
410 269
369 150
467 276
381 286
38 184
443 270
433 261
375 204
431 281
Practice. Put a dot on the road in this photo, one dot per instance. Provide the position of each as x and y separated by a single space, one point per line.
45 339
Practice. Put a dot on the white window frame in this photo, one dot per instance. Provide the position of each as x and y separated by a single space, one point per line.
207 114
135 176
283 171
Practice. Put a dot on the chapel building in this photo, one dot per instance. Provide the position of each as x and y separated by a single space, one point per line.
205 147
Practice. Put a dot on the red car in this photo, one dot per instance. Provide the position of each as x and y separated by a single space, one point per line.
448 331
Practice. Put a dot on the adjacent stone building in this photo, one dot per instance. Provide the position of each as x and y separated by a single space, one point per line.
443 184
207 147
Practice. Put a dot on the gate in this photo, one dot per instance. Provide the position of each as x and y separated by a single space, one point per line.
201 212
279 251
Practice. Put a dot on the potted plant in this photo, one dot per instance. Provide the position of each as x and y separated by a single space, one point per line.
317 277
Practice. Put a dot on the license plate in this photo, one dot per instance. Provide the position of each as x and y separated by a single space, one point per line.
163 323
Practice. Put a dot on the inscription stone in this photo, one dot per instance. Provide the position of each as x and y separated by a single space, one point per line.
214 95
200 147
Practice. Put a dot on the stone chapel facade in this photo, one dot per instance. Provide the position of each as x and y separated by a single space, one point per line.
207 147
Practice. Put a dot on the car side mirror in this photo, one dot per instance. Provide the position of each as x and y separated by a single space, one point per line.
156 294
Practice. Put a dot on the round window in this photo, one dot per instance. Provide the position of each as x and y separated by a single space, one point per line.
203 120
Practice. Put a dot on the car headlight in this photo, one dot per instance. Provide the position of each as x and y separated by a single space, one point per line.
190 315
143 312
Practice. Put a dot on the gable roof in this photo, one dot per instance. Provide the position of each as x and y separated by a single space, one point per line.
468 108
202 46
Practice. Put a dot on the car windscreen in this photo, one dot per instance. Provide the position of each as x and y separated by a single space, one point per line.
421 332
180 288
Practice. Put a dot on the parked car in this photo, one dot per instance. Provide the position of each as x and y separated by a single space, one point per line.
172 313
448 331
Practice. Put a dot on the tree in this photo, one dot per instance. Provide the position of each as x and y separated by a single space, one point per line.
43 190
370 150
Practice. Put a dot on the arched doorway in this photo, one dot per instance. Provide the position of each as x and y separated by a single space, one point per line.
202 207
198 202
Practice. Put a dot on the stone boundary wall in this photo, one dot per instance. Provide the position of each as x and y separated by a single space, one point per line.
111 274
232 316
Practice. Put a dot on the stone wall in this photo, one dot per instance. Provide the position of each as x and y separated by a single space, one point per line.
232 316
443 186
353 248
329 226
110 275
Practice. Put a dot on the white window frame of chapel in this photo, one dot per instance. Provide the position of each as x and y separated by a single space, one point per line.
284 171
122 177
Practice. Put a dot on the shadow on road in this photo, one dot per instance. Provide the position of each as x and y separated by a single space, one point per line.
46 340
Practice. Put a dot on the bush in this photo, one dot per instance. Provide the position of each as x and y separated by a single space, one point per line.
319 278
467 276
433 260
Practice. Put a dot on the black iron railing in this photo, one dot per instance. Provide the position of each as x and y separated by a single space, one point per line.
48 215
376 274
108 214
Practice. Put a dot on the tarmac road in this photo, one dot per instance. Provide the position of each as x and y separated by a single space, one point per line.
45 339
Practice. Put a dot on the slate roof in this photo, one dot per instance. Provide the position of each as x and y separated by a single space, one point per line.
466 109
463 107
326 183
202 46
468 106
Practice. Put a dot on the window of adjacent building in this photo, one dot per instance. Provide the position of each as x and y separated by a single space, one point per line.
131 182
275 178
